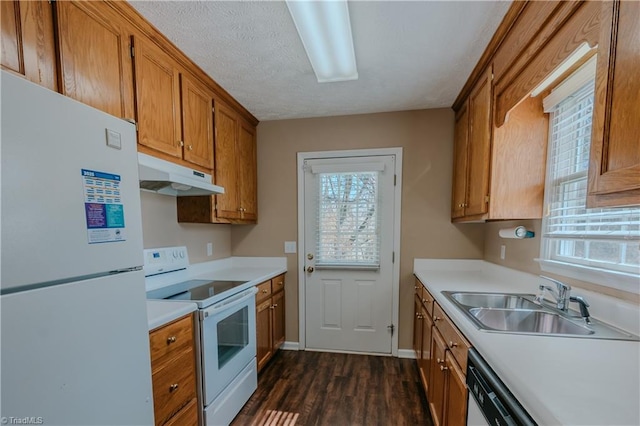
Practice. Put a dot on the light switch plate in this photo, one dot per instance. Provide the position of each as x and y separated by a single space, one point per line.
290 247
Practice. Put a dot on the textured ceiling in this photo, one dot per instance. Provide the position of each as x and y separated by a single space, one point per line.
410 55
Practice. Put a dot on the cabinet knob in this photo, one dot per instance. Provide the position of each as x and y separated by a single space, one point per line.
275 305
272 307
443 368
436 319
180 143
190 147
171 340
415 287
419 316
452 344
425 300
265 291
173 387
440 361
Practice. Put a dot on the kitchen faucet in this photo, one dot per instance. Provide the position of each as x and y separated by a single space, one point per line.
560 293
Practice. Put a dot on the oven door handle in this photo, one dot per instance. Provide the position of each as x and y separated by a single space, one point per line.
230 302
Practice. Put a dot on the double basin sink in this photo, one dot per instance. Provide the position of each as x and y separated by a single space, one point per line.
522 314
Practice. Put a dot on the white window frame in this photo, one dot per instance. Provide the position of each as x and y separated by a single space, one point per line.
589 271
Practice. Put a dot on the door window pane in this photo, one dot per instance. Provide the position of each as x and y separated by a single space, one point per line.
348 219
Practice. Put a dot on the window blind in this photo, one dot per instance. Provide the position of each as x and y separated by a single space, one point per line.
348 231
605 238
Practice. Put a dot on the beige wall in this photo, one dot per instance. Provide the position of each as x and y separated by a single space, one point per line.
427 139
160 228
520 254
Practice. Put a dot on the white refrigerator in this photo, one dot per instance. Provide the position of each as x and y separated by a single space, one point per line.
74 337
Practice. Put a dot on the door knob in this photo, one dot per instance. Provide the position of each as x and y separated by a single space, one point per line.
310 256
310 269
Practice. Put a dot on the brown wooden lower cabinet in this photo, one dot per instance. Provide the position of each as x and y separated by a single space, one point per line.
270 319
442 360
173 371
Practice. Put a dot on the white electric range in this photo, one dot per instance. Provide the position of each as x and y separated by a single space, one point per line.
226 313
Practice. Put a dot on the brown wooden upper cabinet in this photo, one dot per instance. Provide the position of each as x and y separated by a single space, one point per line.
157 92
235 146
27 41
95 59
197 122
173 110
498 172
614 168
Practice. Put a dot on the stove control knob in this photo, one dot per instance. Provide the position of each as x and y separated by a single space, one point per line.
175 254
181 254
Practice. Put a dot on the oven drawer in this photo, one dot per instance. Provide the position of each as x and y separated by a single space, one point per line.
264 291
171 338
173 385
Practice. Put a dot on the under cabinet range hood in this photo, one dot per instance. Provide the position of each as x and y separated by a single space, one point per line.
164 177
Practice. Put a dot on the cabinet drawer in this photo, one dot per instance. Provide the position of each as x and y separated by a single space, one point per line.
171 338
418 287
264 291
188 416
173 385
277 284
427 301
455 341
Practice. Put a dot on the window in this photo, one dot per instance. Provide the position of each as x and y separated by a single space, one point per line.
597 245
348 220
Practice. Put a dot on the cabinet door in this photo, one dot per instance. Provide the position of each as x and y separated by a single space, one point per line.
95 58
424 362
278 320
479 147
456 406
227 127
28 46
417 326
460 155
263 333
247 171
614 167
437 384
157 87
197 122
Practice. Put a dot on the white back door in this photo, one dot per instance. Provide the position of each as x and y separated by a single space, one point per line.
348 243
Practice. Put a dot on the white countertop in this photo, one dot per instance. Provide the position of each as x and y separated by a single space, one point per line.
558 380
253 270
161 312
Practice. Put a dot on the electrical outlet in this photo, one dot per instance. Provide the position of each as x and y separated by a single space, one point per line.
290 247
503 251
209 249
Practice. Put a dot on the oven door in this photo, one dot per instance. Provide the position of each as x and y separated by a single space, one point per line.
228 341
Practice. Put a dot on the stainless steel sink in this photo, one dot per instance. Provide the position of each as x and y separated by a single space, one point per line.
527 321
519 314
494 300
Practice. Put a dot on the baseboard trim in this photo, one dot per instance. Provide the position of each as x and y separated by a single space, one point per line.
406 353
290 346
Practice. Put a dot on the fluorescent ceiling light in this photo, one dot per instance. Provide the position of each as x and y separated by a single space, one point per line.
325 30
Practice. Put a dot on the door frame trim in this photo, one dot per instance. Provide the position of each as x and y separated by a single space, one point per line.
302 156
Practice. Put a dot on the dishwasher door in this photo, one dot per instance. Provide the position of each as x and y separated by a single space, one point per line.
491 397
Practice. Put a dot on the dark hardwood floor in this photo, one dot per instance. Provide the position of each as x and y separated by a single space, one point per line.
337 389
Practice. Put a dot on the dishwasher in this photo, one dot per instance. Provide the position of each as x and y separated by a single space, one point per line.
490 402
